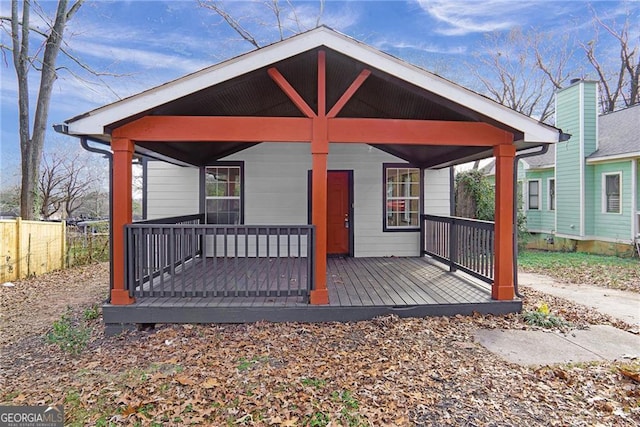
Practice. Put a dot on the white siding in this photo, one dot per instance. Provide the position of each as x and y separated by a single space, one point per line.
172 190
276 192
436 192
275 177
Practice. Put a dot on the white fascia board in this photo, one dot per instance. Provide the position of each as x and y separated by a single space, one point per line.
614 157
94 122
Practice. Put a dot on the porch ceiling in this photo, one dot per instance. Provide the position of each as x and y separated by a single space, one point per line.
255 94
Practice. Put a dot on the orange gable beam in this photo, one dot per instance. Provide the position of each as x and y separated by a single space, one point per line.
207 129
416 132
290 92
349 93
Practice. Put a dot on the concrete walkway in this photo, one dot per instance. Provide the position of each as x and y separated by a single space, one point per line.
623 305
598 343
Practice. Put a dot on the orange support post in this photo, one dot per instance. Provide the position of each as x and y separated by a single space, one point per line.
122 215
320 295
503 280
319 152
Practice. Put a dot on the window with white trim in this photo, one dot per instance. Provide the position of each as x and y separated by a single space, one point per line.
551 194
223 194
611 192
401 198
533 195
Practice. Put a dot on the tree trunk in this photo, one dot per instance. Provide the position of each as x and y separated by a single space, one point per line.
31 146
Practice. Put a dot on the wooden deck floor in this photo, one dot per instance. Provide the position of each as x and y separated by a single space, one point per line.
359 288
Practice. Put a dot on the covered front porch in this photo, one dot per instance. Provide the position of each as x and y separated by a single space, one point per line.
180 270
304 123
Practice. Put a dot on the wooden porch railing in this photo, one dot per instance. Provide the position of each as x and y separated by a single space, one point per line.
183 257
464 244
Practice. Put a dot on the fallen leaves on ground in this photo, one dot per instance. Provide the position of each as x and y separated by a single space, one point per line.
387 371
30 306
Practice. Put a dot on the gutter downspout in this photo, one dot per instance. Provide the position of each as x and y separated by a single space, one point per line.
516 160
562 138
109 155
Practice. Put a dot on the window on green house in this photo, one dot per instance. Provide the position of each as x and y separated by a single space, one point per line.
612 193
552 194
223 194
533 195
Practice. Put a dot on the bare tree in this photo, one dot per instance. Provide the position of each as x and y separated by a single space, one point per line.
618 83
281 16
50 186
65 182
42 59
522 69
78 183
10 200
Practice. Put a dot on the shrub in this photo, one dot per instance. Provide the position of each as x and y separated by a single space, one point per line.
71 337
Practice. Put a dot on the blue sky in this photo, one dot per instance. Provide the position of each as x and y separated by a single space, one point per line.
141 44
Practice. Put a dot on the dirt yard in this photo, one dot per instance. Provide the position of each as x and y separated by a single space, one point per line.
387 371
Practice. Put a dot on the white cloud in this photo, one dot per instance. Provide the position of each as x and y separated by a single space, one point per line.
459 18
386 44
142 58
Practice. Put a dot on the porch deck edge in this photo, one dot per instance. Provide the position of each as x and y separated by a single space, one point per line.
120 315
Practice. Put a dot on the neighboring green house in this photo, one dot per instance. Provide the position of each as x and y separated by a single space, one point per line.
584 194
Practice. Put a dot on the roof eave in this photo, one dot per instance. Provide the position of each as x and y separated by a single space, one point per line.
95 121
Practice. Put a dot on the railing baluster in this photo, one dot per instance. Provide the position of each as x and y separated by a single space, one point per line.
246 262
299 260
235 262
226 257
289 260
268 230
139 250
278 261
216 273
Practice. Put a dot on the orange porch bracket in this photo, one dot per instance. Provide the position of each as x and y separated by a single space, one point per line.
503 280
122 214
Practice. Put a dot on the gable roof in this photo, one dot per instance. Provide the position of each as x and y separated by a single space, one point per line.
618 134
241 86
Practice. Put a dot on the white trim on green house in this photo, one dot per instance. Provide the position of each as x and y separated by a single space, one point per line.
613 157
635 219
604 206
582 163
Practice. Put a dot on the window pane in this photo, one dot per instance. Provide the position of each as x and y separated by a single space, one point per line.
223 211
552 194
402 197
534 191
223 188
612 183
222 181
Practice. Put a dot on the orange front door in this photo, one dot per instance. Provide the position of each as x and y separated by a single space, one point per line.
338 221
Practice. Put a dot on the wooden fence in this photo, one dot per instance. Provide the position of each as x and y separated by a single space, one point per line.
30 248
